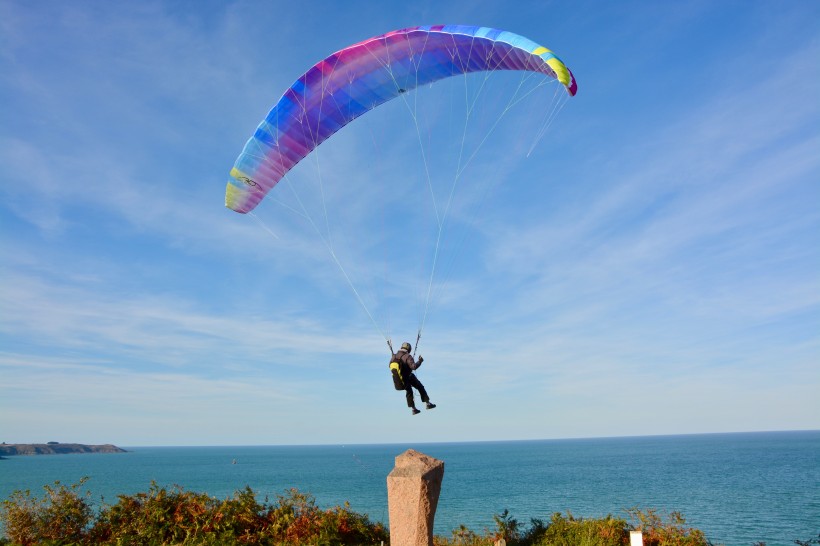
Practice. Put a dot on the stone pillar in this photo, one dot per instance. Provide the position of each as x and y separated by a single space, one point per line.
413 487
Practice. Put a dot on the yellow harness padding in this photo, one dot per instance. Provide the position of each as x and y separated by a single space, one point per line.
395 366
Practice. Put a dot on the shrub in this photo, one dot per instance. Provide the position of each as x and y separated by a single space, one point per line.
61 515
673 532
568 530
560 531
160 516
176 516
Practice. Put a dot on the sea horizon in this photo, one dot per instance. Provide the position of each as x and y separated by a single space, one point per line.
554 439
737 487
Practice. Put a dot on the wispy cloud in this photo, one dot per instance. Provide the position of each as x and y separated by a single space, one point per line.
678 257
700 209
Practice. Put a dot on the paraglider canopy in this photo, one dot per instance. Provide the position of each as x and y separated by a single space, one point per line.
361 77
358 78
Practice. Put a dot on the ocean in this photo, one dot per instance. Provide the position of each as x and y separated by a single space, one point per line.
739 489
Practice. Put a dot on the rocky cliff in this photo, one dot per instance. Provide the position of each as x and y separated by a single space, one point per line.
55 448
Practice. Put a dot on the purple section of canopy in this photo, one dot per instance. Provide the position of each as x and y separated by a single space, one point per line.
359 78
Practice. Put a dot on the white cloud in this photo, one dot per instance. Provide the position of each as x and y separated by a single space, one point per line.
681 262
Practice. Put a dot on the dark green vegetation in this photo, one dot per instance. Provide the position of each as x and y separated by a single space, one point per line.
64 515
56 448
174 516
566 530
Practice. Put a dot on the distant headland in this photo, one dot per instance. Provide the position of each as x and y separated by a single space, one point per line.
56 448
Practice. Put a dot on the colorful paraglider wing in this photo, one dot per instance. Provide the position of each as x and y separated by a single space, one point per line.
359 78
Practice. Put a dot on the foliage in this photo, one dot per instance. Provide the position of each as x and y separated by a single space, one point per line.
62 515
507 526
176 516
568 530
674 531
571 531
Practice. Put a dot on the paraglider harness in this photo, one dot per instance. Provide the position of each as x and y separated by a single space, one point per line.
396 366
395 371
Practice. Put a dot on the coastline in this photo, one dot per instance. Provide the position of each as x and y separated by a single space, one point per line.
56 448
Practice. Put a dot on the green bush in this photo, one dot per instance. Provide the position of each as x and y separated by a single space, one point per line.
571 531
560 531
176 516
61 516
673 532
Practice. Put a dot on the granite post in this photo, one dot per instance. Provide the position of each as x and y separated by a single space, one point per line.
413 488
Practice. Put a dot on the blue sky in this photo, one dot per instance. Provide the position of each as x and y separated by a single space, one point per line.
651 267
